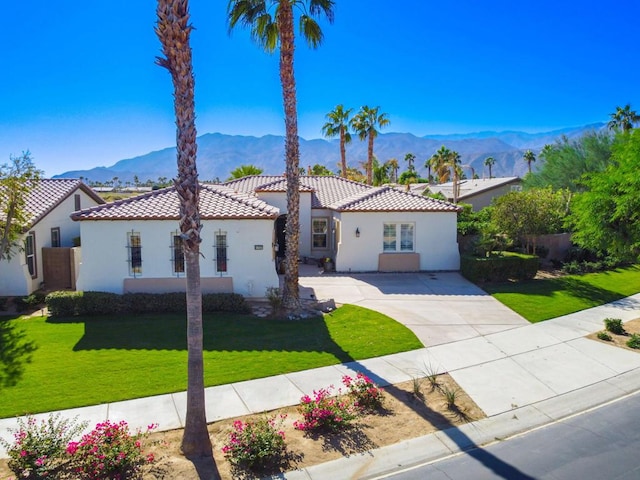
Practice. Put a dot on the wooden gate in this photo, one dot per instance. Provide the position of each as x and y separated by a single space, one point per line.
57 265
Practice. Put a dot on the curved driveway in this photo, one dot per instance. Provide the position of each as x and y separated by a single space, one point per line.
439 307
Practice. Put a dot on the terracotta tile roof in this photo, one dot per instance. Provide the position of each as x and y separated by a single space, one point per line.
389 199
216 202
48 193
338 193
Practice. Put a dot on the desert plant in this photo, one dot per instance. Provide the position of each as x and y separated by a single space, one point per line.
256 444
38 448
450 395
275 299
416 387
604 336
366 395
324 412
110 451
634 341
431 374
614 325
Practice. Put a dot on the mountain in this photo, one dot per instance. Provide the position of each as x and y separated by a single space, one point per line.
218 154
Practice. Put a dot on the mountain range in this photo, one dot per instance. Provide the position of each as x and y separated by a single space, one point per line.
218 154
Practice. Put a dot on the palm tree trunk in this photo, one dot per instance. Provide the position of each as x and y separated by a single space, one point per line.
173 30
290 294
343 153
370 161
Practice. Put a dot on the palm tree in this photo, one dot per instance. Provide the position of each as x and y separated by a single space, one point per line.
270 32
393 165
410 158
364 123
173 30
338 125
623 118
489 162
439 161
529 157
245 171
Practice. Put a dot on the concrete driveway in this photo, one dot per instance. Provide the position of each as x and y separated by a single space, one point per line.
438 307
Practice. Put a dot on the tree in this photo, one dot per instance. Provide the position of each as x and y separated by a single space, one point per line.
320 170
623 118
566 161
393 168
16 180
244 171
271 31
489 162
380 172
605 218
410 158
529 157
338 125
439 162
364 123
173 29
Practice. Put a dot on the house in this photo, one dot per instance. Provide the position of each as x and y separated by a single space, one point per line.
363 228
45 257
478 192
134 245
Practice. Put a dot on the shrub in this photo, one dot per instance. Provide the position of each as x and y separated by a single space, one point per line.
614 325
109 451
224 302
366 395
100 303
63 304
499 268
275 299
634 341
324 412
604 336
3 303
38 449
256 444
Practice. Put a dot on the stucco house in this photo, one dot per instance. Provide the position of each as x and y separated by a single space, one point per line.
363 228
133 245
44 256
478 192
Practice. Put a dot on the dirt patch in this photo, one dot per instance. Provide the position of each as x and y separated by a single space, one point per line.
408 412
632 326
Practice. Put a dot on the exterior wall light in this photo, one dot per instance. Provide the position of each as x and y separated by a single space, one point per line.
357 232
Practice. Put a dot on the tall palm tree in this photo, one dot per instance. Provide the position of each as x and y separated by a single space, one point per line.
173 30
529 157
623 118
489 162
410 158
393 165
439 161
272 30
364 123
338 125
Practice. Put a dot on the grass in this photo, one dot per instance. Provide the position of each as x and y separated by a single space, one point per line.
539 300
86 361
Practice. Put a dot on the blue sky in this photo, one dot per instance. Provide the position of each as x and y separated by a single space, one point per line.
80 88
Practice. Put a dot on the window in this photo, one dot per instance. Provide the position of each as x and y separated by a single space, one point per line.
177 254
76 199
320 233
390 237
55 237
221 252
30 254
134 245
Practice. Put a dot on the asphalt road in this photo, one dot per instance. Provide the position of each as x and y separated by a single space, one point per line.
600 444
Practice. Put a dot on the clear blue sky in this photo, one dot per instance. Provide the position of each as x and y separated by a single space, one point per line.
80 89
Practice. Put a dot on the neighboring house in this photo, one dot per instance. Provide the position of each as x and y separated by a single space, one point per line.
134 245
363 228
479 192
43 257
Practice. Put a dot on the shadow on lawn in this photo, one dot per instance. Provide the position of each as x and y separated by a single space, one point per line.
15 352
222 332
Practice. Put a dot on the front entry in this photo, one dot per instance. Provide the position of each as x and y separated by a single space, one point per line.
281 244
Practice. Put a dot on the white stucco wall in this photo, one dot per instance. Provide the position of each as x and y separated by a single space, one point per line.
14 275
435 240
105 254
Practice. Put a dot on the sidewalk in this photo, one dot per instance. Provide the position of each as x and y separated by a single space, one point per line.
522 378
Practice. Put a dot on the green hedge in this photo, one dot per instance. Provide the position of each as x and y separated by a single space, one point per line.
68 304
499 268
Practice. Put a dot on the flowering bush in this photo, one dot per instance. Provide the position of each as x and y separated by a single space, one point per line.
324 412
38 449
109 451
367 396
256 444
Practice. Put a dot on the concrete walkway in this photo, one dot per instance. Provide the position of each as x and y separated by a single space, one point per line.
522 376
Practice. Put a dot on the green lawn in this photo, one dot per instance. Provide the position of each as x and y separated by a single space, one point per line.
539 300
85 361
